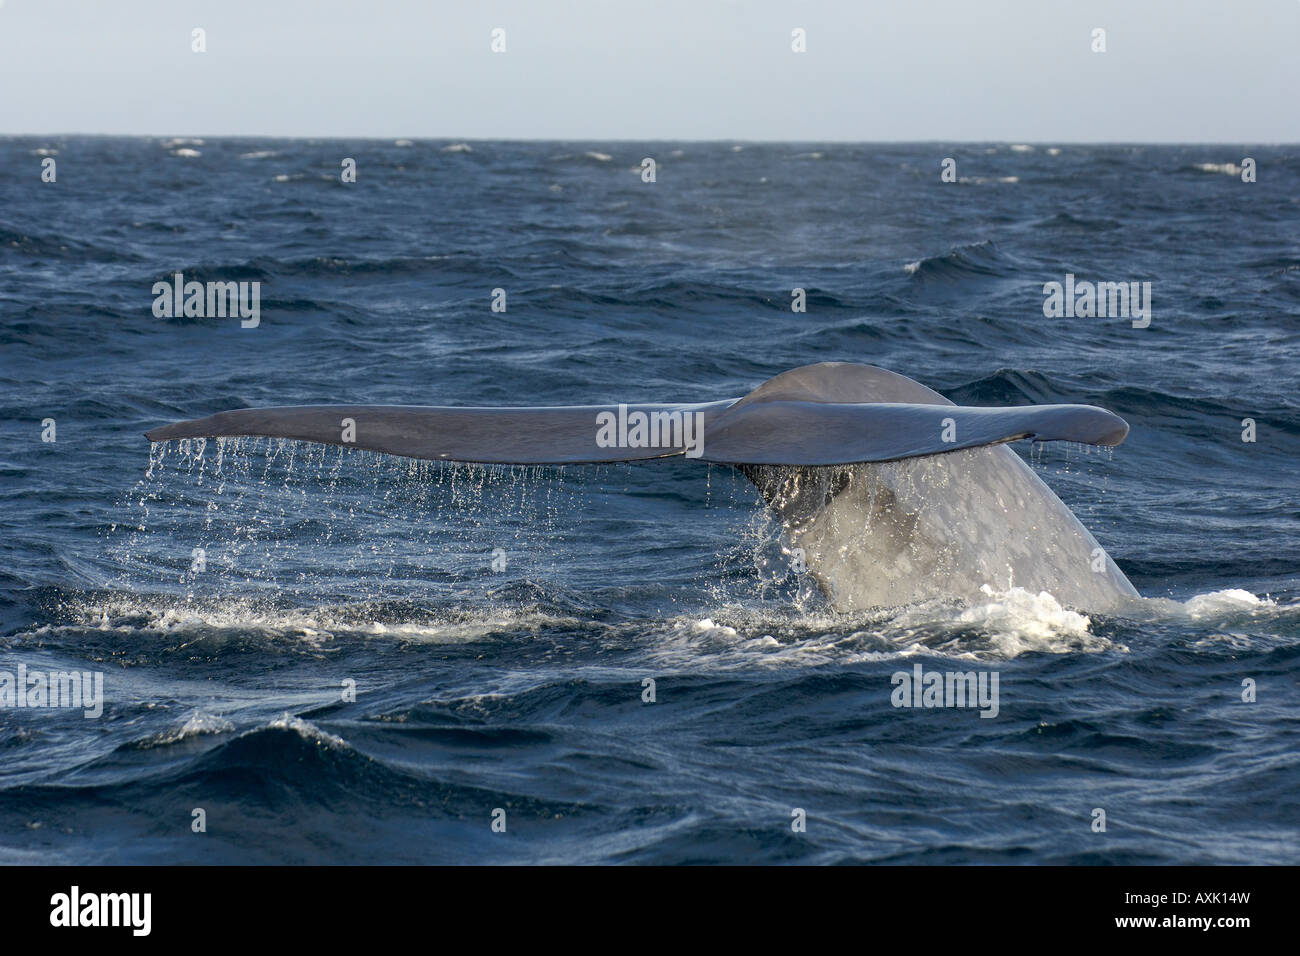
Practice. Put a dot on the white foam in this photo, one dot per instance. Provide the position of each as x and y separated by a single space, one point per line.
707 624
1002 626
1230 616
197 724
316 627
1227 601
1017 621
307 731
1228 169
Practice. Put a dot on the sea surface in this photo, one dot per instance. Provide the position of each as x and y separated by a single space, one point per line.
313 655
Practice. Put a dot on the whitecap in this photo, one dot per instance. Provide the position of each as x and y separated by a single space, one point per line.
198 723
1228 169
307 731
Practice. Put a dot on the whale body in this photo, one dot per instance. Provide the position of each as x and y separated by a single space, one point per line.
891 493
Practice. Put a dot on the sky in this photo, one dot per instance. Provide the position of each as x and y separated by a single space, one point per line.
873 70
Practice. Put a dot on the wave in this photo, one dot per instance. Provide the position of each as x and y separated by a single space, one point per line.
1226 608
1007 625
398 265
1003 625
286 768
197 724
1087 224
61 247
1194 417
246 271
252 621
1009 386
961 262
586 157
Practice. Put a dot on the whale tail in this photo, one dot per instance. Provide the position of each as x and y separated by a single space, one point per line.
834 413
895 530
892 492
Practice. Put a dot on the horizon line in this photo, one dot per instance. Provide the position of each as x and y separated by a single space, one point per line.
653 139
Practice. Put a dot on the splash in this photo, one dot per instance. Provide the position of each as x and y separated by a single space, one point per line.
321 522
131 618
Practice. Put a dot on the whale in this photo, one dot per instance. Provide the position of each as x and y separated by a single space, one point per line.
888 494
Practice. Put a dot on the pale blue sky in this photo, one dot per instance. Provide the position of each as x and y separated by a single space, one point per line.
1017 70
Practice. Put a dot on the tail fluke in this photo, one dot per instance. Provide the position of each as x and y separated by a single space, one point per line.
829 414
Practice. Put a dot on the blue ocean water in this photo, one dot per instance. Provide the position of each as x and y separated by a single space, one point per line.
231 594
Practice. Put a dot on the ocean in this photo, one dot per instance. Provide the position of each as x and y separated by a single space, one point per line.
311 654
